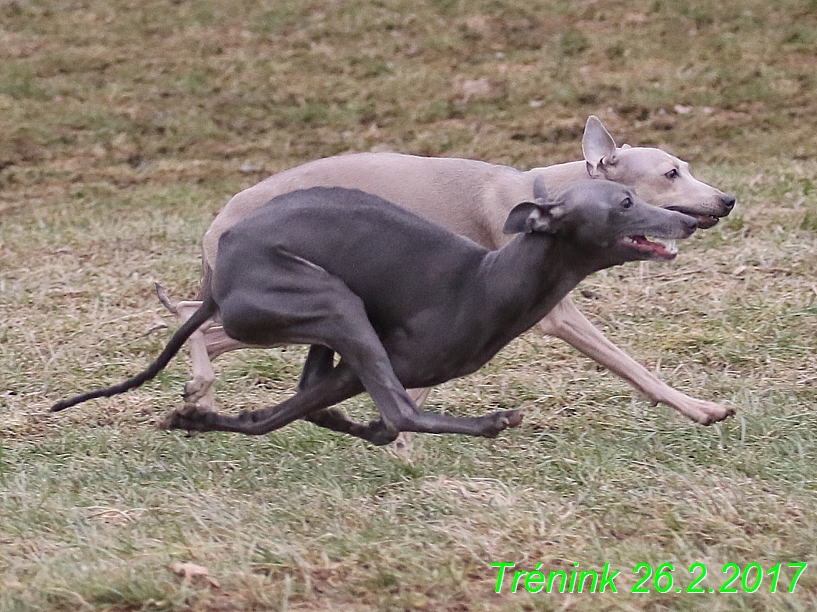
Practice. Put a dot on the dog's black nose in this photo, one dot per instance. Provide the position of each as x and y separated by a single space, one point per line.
691 224
728 201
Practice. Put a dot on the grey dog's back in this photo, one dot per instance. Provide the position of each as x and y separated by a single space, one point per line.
357 237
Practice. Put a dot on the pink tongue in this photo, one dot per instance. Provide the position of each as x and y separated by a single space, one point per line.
654 247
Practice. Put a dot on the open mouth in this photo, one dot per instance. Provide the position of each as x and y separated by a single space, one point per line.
653 248
705 221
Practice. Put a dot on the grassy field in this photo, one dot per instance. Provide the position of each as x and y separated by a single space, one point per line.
125 126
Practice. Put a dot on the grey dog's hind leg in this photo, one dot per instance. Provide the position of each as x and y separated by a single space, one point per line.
311 403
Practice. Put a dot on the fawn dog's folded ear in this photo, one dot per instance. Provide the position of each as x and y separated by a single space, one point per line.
530 217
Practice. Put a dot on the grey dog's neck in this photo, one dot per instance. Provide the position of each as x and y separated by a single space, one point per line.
524 280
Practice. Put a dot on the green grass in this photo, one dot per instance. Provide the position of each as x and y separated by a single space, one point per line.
124 128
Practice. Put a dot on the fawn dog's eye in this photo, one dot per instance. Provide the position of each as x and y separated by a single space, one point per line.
672 174
626 202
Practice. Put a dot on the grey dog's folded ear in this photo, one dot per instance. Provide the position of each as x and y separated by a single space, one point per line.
536 216
530 217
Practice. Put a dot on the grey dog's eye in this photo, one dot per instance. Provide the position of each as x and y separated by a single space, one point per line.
672 174
626 202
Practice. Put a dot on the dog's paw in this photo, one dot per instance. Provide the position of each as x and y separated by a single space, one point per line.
378 433
706 413
188 417
196 391
404 444
500 421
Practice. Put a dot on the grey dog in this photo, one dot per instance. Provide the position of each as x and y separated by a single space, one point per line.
396 297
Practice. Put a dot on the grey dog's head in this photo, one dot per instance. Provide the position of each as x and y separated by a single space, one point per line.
606 219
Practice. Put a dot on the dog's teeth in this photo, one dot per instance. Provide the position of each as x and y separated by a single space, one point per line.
671 247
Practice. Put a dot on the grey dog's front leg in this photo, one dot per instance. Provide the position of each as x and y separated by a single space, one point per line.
320 361
375 432
319 364
362 349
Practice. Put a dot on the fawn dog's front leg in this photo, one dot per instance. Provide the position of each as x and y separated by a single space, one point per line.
566 322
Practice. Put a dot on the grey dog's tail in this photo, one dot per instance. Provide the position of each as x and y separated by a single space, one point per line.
205 311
